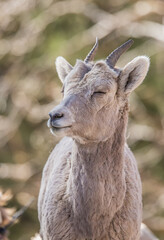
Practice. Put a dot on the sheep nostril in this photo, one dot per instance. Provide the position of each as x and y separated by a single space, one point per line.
55 116
58 115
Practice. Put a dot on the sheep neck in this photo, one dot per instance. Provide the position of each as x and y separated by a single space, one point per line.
97 181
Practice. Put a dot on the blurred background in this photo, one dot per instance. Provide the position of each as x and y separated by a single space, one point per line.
32 34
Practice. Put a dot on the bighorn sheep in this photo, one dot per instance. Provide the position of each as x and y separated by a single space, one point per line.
91 187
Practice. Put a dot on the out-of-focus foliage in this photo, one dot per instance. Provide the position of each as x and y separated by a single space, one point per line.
32 34
5 214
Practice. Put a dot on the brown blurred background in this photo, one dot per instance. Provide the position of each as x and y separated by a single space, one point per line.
32 34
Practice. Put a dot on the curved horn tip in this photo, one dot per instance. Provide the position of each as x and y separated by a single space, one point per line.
115 55
97 41
130 41
91 54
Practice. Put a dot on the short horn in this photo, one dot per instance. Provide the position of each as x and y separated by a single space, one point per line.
112 59
91 54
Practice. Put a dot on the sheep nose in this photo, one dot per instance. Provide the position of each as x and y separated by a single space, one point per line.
54 116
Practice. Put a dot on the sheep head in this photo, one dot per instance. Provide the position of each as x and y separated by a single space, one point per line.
94 93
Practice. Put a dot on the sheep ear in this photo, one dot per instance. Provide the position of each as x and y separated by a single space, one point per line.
134 73
62 68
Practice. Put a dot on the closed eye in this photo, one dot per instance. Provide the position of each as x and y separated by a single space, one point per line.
99 92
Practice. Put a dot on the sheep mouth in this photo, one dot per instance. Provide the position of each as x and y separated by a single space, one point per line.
57 128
